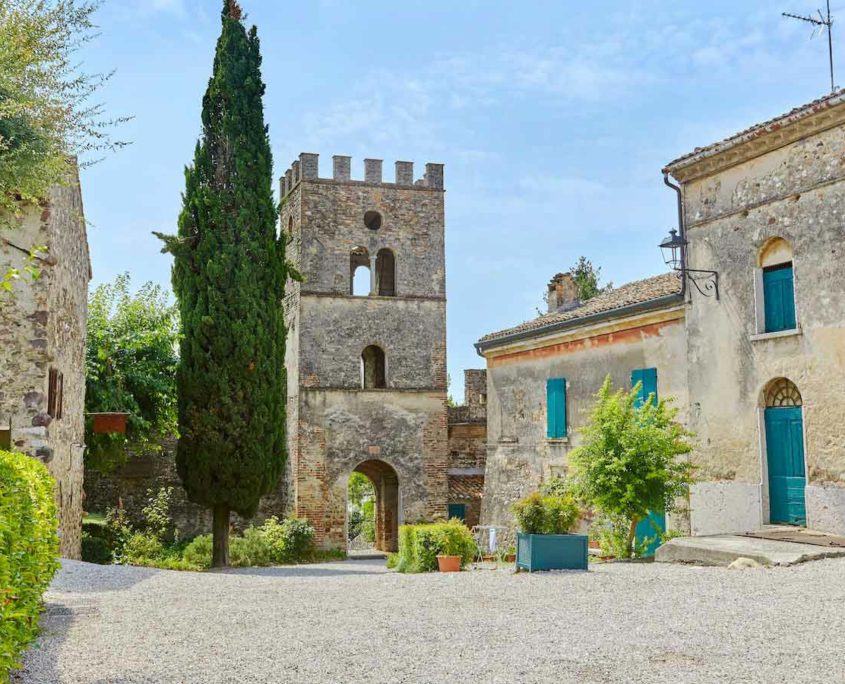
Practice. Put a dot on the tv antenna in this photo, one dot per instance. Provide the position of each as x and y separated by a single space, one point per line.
820 23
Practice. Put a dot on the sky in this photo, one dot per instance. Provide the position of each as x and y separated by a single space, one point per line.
553 118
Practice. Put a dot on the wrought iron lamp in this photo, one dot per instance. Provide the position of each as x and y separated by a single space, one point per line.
674 254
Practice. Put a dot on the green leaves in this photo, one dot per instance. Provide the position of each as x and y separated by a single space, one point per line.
29 550
628 463
229 276
131 364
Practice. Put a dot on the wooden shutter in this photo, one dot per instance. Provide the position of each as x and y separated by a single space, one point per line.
55 392
648 378
556 407
779 298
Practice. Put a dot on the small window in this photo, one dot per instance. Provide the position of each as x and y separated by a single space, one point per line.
373 374
482 399
556 408
648 378
55 391
372 219
779 298
458 511
385 273
359 272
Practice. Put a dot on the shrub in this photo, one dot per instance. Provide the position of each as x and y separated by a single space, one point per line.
419 545
628 463
29 550
95 549
550 514
198 551
143 549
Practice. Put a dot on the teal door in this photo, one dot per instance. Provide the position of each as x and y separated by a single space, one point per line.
785 457
654 525
458 511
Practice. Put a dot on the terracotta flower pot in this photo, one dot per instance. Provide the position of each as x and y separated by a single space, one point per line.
110 422
449 563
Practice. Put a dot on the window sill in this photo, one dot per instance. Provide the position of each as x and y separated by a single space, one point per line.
557 440
794 332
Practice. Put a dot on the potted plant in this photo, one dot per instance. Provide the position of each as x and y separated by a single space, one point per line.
545 540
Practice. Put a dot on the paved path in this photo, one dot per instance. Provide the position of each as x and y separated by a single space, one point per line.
355 622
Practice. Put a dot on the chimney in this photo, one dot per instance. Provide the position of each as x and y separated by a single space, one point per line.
563 293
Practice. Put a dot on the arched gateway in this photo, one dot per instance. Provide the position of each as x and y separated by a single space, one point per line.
386 485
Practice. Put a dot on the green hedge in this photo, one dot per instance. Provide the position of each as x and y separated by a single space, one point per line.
419 545
29 551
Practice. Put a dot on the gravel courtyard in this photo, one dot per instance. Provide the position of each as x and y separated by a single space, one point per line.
357 622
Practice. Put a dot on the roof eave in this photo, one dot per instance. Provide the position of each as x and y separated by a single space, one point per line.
640 307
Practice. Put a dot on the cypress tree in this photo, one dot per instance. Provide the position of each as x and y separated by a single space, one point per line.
229 275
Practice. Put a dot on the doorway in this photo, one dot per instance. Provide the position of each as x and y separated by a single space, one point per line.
784 424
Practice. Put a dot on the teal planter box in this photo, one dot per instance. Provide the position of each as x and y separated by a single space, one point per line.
551 551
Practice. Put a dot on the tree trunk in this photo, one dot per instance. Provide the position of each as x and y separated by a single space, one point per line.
220 530
632 535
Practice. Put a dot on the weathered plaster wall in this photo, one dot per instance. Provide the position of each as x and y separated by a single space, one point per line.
520 456
42 326
334 425
796 193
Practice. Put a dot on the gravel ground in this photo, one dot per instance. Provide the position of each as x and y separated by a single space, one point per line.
356 622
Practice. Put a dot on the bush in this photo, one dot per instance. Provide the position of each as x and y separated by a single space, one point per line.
95 550
274 542
29 550
419 545
198 552
550 514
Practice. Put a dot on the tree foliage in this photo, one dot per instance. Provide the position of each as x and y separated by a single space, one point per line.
628 463
229 275
46 109
587 279
131 362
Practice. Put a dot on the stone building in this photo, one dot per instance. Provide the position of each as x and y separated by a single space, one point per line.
542 376
366 368
758 373
766 362
468 449
42 338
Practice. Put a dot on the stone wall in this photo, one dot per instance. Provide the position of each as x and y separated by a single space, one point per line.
795 192
131 486
468 446
519 454
335 426
42 328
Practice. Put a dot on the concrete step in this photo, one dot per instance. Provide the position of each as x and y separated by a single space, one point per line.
723 549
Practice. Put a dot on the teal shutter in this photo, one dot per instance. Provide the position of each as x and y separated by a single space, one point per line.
458 511
648 376
556 407
779 298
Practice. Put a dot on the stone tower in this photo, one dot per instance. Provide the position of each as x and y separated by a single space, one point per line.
366 369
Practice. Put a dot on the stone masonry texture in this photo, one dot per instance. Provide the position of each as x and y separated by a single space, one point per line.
397 434
42 328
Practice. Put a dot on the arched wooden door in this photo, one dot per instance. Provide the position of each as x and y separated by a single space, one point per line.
785 454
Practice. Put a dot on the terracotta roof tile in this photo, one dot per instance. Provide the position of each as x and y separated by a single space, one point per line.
638 292
759 129
465 487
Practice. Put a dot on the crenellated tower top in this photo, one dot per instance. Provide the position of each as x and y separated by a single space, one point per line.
307 168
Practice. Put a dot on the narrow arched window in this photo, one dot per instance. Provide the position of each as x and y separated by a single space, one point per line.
373 374
386 273
359 272
777 287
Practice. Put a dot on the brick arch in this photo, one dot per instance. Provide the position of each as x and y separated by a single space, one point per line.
386 484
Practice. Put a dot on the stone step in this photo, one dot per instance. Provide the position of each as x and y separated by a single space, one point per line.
723 549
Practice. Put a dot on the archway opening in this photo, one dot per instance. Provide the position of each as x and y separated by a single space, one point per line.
359 272
386 273
787 478
373 370
373 491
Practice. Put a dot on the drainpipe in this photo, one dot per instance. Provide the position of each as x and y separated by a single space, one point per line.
681 231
